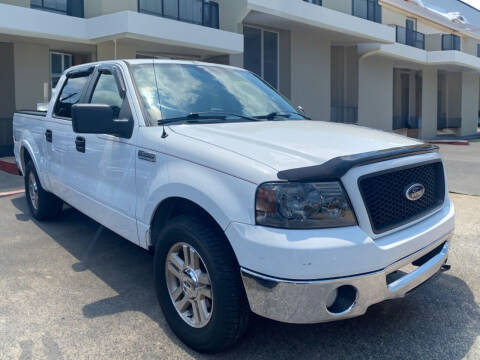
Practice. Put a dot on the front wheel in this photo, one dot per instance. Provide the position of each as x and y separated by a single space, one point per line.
198 285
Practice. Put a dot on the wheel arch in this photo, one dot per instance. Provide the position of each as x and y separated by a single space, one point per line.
174 206
27 154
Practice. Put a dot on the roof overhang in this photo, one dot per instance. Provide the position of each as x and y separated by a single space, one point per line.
404 54
289 14
124 24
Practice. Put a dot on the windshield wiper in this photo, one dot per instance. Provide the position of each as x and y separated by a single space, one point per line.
215 115
276 114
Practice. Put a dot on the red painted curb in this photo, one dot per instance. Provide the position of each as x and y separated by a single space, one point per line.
8 167
451 142
10 193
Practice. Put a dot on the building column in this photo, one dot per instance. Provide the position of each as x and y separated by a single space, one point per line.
32 72
310 80
114 50
470 91
375 93
429 117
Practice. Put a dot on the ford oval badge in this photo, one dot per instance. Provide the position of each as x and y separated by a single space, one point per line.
415 192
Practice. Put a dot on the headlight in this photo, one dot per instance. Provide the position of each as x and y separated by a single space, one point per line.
303 205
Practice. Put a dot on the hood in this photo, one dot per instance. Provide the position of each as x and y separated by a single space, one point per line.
284 145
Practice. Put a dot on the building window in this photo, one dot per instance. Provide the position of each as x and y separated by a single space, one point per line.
451 42
65 7
478 50
316 2
367 9
200 12
59 62
261 54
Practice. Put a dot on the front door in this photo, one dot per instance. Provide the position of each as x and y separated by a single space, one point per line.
103 166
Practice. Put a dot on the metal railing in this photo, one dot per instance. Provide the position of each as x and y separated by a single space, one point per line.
65 7
367 9
200 12
410 37
316 2
451 42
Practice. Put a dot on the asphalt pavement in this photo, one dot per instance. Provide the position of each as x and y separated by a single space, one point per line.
73 290
462 164
70 289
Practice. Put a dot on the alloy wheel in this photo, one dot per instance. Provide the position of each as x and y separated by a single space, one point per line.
189 285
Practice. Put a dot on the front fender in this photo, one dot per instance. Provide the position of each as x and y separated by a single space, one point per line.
226 198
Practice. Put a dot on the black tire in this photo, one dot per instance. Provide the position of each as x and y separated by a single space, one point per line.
230 311
48 206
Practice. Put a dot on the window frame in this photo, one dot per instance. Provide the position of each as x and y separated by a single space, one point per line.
262 51
88 71
115 71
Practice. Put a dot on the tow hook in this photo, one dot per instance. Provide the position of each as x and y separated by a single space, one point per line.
446 267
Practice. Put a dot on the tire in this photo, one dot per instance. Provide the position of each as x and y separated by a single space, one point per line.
42 204
229 310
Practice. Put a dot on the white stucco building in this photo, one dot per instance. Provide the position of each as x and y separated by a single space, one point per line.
389 64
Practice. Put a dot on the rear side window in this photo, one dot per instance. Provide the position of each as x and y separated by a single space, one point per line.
70 95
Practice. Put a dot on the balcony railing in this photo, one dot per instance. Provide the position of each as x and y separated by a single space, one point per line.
200 12
367 9
410 37
65 7
451 42
316 2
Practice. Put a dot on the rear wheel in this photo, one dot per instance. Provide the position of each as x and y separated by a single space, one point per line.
43 205
198 285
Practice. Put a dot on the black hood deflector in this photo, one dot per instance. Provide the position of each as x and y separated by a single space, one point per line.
335 168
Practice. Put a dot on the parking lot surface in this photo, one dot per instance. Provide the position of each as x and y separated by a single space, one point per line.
463 167
70 290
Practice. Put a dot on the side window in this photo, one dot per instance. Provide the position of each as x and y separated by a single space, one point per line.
70 95
106 92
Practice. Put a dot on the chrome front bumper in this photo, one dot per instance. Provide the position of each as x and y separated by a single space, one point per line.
303 302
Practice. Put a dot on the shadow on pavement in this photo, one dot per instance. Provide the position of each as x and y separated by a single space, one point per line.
439 321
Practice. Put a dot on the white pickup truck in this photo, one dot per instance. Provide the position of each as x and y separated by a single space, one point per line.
247 203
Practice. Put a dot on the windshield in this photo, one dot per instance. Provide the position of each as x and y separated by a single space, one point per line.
172 90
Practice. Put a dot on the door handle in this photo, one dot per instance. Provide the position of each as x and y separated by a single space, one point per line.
80 144
48 135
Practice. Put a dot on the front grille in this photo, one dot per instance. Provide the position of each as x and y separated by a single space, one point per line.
385 197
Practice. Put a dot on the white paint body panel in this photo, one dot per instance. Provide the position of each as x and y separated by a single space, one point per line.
219 167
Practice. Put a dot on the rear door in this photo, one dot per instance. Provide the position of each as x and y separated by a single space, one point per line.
102 167
58 130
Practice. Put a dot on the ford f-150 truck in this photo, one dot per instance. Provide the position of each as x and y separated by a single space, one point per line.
248 205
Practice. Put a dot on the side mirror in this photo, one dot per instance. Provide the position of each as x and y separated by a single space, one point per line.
98 119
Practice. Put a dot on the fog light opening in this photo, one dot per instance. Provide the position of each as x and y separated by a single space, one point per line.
345 297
